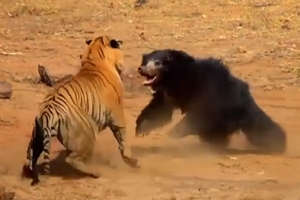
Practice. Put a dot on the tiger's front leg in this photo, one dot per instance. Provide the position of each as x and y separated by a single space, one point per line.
117 126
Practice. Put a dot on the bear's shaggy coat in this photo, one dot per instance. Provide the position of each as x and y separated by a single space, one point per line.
215 103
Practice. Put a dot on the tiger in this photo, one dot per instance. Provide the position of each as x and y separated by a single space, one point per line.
79 108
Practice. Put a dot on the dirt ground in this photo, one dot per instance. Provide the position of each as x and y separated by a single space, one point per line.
260 42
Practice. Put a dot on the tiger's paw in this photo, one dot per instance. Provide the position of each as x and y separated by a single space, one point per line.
95 174
132 162
35 182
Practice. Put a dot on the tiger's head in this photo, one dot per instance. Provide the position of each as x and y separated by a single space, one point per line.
104 48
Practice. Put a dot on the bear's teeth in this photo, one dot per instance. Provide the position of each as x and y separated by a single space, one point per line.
149 82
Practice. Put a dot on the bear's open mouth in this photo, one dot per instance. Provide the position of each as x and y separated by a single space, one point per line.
150 80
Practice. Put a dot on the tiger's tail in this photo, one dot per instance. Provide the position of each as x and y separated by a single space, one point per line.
46 149
40 142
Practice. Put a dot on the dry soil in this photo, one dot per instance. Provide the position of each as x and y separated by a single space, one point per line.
259 40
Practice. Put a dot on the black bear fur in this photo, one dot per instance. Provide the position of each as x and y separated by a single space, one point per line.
216 104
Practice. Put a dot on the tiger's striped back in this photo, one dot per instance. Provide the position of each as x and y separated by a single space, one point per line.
97 83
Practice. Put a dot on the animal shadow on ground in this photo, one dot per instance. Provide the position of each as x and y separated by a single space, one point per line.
170 149
60 168
139 151
241 151
196 148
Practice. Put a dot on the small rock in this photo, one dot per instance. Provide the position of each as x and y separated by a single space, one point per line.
286 26
5 90
142 36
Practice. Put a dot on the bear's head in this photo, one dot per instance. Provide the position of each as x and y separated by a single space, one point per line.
162 67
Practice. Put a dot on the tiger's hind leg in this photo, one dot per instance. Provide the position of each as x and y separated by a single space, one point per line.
79 149
79 138
77 160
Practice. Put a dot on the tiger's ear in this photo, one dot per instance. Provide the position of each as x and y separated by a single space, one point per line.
116 43
120 42
88 41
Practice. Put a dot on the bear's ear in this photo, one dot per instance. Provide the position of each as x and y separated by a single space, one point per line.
144 56
168 57
144 59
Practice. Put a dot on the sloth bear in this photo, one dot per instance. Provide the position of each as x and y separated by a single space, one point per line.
215 103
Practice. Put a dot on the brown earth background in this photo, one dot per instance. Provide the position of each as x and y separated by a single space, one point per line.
260 42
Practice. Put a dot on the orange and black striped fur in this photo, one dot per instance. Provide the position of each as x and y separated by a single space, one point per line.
77 109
